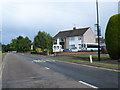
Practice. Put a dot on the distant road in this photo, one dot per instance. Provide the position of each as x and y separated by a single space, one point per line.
20 72
94 76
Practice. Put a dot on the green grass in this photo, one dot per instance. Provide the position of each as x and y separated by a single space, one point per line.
93 56
88 62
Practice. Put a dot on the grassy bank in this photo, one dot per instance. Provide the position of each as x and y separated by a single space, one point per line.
87 62
93 56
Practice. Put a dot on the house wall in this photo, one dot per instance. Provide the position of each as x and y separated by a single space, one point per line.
89 36
75 42
58 41
66 43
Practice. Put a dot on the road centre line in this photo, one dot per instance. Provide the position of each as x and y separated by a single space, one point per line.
91 66
88 84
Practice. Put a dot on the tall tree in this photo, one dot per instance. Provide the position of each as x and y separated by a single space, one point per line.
43 40
23 44
27 44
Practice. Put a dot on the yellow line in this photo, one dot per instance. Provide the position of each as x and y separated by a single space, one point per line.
91 66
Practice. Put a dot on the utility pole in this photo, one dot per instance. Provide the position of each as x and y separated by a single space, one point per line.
98 31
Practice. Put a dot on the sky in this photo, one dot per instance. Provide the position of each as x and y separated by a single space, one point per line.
27 17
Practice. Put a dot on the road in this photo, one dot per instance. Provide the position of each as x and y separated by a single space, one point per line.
82 75
19 72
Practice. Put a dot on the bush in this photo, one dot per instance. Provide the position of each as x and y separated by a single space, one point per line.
38 50
112 37
33 52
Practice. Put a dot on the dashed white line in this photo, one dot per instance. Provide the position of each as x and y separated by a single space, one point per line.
88 84
47 68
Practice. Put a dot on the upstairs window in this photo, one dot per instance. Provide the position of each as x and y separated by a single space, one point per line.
72 38
55 41
61 40
79 38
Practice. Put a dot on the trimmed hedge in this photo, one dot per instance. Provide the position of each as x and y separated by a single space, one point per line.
112 37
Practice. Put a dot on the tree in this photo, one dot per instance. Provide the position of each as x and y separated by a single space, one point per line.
20 44
112 36
6 48
43 40
27 44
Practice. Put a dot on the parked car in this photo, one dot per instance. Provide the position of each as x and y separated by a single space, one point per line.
68 50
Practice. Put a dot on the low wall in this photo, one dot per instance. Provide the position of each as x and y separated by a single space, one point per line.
73 53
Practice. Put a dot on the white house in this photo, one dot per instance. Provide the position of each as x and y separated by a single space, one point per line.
73 39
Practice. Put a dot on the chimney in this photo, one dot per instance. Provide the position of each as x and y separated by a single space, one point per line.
74 27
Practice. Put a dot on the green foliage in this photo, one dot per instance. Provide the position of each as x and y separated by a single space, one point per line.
20 44
112 36
43 40
23 44
3 48
38 50
6 48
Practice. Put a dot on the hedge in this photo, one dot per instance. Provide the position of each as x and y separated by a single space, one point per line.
112 36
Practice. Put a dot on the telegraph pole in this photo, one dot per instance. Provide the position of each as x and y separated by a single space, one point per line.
98 31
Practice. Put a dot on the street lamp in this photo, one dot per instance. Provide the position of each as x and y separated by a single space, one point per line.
98 31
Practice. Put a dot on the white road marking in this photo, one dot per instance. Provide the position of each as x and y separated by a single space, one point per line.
43 61
38 61
88 84
47 68
50 60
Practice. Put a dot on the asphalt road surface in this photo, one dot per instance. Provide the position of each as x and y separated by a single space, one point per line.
19 72
21 68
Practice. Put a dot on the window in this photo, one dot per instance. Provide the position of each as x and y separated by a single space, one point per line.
79 38
57 47
92 46
83 45
61 40
80 46
72 38
55 41
72 46
54 47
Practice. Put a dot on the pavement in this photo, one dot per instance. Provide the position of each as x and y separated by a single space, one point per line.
19 72
0 71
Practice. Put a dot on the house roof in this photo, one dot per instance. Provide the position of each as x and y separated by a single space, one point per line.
70 33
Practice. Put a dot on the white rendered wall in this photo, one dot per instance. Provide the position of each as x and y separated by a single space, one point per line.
75 42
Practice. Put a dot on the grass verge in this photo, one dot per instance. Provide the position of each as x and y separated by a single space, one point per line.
93 56
87 62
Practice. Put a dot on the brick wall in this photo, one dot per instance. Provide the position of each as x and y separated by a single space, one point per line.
71 53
